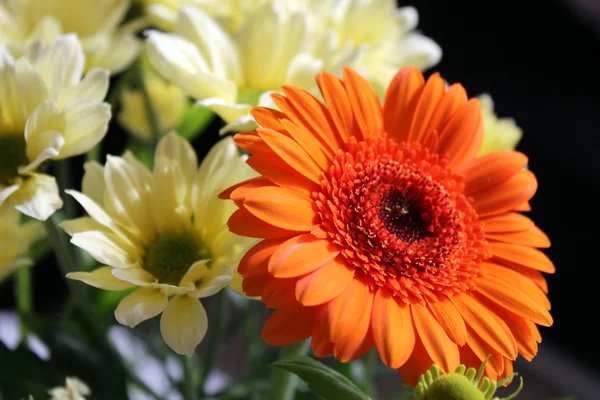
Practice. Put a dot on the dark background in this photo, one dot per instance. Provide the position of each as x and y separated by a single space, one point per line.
540 62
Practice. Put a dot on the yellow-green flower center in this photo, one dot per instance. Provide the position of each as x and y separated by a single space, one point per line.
171 255
453 387
12 156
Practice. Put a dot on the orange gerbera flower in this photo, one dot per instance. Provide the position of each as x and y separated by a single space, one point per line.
382 228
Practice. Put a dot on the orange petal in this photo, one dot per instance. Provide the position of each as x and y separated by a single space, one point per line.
509 222
393 330
289 325
272 167
451 102
450 319
416 365
338 105
522 255
522 332
321 346
524 207
533 237
279 293
506 196
324 284
347 319
492 169
440 348
255 261
292 153
309 114
242 191
309 143
485 325
429 98
346 351
364 103
252 183
482 349
267 117
535 331
281 207
254 285
513 299
522 282
252 143
400 102
462 136
243 223
301 255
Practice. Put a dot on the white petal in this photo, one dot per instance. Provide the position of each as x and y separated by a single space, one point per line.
216 48
101 278
183 324
302 71
207 281
136 276
175 148
86 124
82 224
61 63
115 53
180 61
93 185
140 305
38 197
32 89
221 153
93 86
106 248
6 191
419 51
93 209
195 272
229 111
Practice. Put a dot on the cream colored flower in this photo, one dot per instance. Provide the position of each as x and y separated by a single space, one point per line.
382 36
96 22
163 231
15 238
500 134
74 389
168 103
230 74
47 111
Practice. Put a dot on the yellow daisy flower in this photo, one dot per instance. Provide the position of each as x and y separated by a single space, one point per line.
15 238
163 231
96 22
500 134
230 74
74 389
47 111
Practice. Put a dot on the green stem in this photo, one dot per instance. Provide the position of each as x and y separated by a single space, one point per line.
370 373
94 153
156 130
24 295
67 264
216 340
64 178
283 383
189 378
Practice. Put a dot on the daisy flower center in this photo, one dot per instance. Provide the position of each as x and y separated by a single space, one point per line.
172 254
400 217
12 156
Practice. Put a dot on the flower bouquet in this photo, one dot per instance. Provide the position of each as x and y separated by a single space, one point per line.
269 195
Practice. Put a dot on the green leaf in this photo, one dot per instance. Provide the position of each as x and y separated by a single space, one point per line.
324 381
195 121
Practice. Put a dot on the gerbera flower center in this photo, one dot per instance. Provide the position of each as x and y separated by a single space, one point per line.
12 156
172 254
400 217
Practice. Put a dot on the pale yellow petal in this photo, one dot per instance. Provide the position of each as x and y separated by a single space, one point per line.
143 304
86 124
183 324
106 248
37 197
101 278
93 185
82 224
135 276
93 86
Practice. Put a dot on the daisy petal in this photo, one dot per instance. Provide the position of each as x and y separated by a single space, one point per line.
183 324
